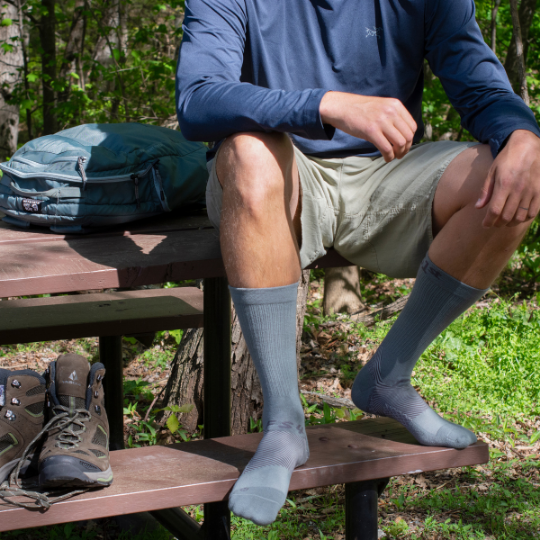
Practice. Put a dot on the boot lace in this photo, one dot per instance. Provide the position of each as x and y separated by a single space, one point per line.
71 427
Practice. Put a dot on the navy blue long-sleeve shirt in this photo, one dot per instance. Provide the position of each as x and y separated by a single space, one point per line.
264 65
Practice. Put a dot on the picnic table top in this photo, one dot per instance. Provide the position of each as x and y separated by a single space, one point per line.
155 250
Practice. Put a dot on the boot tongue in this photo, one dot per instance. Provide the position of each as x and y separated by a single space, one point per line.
72 380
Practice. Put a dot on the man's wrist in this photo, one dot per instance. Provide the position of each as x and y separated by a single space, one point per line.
522 136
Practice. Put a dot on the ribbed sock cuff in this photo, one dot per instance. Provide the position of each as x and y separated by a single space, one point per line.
429 270
265 295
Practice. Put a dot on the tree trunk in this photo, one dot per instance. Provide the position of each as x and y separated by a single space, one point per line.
513 61
11 65
73 48
48 66
494 10
185 384
342 290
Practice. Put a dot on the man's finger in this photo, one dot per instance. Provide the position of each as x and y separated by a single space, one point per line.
522 212
406 131
534 207
407 118
495 208
487 190
384 146
396 139
512 211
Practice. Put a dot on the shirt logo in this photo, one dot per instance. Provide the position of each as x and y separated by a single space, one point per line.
373 32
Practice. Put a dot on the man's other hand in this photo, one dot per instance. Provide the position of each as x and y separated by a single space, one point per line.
385 122
512 186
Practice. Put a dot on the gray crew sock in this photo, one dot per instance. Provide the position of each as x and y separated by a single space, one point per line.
383 386
268 321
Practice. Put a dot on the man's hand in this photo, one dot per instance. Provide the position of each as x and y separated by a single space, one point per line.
385 122
512 186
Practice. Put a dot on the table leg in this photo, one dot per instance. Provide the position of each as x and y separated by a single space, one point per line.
217 388
361 501
110 354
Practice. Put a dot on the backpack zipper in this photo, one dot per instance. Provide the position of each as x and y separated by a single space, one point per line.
80 161
135 178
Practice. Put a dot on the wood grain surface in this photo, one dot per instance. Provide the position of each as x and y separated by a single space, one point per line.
171 248
159 477
102 314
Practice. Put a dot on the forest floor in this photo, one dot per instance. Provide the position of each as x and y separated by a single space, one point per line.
482 372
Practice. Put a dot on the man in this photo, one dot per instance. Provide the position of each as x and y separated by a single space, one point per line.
317 104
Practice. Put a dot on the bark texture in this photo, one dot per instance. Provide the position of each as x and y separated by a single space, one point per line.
11 65
185 384
47 31
342 290
74 47
513 61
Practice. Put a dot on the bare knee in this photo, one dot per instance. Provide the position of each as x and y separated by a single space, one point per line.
256 168
461 184
466 175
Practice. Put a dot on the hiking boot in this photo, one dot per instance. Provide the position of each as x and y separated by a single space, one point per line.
76 450
22 401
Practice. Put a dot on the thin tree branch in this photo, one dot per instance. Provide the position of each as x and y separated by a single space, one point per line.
519 51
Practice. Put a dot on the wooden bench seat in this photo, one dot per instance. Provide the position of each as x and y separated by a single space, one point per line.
157 477
100 314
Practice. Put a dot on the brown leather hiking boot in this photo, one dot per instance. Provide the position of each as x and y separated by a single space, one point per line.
22 401
76 449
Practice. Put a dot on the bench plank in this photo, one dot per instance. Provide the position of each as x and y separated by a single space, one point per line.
34 262
157 477
101 314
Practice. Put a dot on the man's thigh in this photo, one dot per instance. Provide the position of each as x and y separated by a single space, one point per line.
377 215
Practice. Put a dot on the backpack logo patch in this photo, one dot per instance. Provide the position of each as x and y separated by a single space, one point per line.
31 205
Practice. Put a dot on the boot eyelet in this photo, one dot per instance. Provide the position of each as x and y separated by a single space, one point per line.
15 383
15 401
98 409
96 394
10 415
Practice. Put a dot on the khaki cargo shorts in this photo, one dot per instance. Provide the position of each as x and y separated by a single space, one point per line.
375 214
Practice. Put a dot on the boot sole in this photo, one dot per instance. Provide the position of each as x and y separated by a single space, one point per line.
6 469
67 472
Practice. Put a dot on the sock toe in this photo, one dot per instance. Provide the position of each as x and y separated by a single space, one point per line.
260 505
455 436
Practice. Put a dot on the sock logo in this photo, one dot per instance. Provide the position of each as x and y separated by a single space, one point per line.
426 267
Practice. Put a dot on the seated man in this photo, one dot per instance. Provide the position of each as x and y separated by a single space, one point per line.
317 107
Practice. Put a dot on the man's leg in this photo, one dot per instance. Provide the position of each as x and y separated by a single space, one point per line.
259 226
462 262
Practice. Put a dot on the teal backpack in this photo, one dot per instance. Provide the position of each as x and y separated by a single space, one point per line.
101 174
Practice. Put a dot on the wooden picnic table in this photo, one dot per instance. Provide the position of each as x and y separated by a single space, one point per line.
172 248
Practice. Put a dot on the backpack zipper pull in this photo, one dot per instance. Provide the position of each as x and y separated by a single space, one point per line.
135 178
80 161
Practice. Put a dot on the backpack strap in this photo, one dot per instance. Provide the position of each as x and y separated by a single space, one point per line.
56 193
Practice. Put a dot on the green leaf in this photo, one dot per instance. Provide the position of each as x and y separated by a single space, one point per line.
186 408
6 22
535 437
32 77
173 424
340 413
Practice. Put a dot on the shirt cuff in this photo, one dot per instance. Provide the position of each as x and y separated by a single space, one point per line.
498 142
315 129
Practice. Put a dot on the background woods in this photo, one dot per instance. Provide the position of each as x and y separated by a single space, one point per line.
68 62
